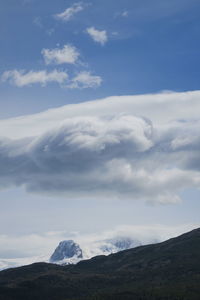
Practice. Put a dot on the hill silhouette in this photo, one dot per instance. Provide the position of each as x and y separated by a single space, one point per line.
169 270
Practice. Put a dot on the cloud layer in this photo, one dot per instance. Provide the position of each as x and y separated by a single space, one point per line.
102 156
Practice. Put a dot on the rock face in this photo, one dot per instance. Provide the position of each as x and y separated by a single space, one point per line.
66 249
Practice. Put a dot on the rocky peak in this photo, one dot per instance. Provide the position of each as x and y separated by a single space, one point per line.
66 249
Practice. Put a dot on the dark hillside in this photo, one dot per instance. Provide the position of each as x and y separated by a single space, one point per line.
168 271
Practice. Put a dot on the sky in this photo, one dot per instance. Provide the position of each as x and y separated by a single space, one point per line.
99 120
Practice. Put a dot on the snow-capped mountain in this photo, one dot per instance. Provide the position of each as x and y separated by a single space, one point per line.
118 244
69 252
66 250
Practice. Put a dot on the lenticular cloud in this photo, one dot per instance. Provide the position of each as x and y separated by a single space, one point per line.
105 156
66 157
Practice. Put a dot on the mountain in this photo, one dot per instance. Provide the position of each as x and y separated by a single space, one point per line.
66 249
165 271
69 252
117 244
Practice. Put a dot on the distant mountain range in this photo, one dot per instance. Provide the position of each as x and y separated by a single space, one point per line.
164 271
69 251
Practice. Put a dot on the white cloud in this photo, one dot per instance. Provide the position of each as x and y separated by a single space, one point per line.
85 80
68 54
115 156
161 109
100 149
142 233
82 80
98 35
21 78
70 12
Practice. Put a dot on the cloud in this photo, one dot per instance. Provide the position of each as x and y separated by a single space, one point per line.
114 156
124 13
70 12
50 31
85 80
83 151
105 149
161 108
38 22
82 80
21 78
39 247
98 35
92 244
68 54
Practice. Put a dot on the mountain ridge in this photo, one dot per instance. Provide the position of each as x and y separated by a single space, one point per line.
167 270
71 252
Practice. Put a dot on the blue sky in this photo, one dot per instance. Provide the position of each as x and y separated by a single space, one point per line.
90 165
153 47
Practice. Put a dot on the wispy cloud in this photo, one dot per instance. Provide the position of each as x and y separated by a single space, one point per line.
22 78
99 36
124 13
38 22
68 13
50 31
85 80
66 55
